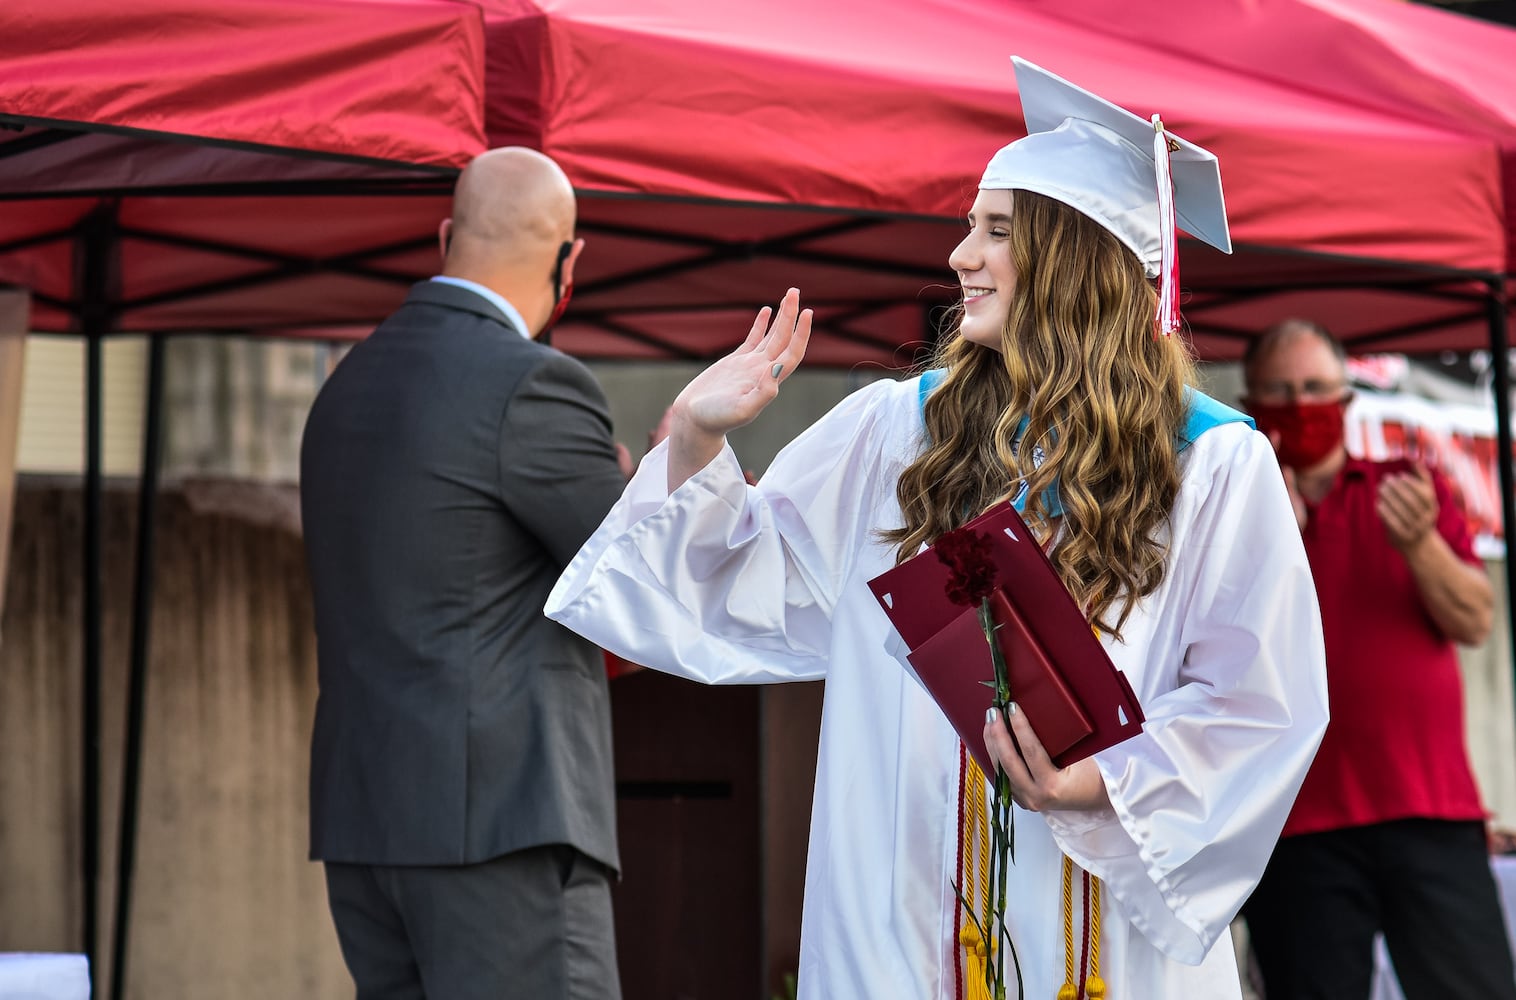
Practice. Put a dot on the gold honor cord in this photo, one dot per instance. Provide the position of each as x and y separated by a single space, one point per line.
975 834
975 831
1094 986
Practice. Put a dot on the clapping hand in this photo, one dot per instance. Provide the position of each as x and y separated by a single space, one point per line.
1407 504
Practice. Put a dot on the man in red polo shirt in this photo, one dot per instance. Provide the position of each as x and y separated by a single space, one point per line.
1387 833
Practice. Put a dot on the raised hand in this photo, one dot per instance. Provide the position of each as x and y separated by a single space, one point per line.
734 390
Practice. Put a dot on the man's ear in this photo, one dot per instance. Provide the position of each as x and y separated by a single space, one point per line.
445 237
567 276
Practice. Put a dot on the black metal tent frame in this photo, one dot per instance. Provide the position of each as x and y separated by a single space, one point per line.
96 241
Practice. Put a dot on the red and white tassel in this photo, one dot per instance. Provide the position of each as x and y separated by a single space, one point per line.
1168 268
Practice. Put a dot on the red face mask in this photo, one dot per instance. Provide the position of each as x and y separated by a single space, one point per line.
1308 432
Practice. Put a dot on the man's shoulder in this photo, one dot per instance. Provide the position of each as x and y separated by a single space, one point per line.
546 372
424 347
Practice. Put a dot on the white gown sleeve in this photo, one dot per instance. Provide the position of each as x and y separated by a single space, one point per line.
1199 797
727 583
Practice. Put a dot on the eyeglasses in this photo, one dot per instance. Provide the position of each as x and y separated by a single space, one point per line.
1311 391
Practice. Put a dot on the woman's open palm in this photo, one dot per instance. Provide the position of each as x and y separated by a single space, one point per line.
733 391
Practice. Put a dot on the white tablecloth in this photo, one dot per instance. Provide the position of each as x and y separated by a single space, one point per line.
27 976
1504 867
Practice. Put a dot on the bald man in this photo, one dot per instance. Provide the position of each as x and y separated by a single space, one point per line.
462 796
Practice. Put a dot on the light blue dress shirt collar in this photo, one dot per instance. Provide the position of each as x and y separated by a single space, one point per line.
491 296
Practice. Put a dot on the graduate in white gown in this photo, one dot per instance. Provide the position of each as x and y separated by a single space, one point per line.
1165 515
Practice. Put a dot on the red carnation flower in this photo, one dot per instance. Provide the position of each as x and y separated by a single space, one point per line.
971 565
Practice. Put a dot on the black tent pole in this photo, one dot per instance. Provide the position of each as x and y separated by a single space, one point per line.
94 250
1500 361
142 613
90 723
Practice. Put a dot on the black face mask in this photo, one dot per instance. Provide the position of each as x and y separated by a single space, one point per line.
561 294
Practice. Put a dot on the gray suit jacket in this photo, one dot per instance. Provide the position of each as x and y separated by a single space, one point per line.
450 469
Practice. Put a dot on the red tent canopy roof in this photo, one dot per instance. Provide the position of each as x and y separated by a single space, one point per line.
898 111
397 81
722 155
1407 60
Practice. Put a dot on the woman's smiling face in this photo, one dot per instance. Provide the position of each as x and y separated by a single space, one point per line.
982 262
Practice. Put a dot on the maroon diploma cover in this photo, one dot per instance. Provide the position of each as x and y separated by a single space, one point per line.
1073 695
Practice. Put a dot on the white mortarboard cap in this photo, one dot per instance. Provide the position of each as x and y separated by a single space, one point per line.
1128 174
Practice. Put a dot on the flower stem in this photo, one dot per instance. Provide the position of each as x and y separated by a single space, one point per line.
1003 832
1002 672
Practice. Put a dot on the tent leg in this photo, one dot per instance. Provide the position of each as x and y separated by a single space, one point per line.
1500 359
94 247
142 613
14 311
90 722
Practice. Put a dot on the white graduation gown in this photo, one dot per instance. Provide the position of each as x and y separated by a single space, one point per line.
728 584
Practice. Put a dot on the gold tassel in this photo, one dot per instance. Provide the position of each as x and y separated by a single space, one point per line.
975 958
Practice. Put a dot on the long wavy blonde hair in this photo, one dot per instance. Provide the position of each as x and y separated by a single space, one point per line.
1103 397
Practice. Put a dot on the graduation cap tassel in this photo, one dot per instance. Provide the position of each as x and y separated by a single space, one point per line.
1168 274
